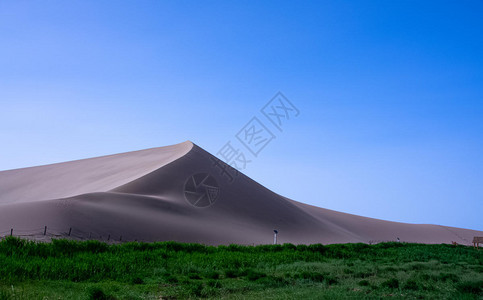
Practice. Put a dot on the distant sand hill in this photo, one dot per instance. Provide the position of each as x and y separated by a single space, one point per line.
180 193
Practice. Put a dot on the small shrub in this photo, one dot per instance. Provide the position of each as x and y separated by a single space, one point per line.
389 245
330 280
230 273
417 266
427 277
137 280
411 285
96 247
208 291
448 277
302 247
97 293
5 295
317 277
470 287
195 289
392 283
193 276
390 269
313 276
212 275
214 284
364 282
171 279
254 275
317 248
272 282
235 248
288 246
364 274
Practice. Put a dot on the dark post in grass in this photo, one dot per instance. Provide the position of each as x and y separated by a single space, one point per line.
476 241
120 238
70 231
108 237
45 230
11 231
275 232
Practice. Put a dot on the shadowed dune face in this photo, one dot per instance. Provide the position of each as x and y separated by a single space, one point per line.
181 193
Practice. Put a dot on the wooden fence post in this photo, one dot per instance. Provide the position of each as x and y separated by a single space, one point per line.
108 237
45 230
70 231
120 238
476 241
11 231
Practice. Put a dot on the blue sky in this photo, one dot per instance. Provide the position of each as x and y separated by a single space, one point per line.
390 93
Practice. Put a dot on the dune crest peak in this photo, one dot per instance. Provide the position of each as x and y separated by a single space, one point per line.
182 193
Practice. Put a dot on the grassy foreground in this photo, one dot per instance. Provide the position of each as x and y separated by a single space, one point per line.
66 269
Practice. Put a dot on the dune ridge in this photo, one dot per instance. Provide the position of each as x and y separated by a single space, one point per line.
145 195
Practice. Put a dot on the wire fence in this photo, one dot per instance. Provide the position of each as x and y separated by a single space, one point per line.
374 242
48 233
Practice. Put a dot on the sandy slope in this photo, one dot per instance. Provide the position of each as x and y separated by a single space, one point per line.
141 196
84 176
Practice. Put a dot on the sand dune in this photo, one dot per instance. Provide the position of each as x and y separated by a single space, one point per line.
151 195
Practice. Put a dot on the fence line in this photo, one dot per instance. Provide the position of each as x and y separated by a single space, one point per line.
46 233
70 233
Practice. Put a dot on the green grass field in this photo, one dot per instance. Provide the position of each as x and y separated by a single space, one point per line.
66 269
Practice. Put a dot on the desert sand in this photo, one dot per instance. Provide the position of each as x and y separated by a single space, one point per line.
152 195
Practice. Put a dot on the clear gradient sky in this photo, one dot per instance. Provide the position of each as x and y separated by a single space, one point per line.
390 93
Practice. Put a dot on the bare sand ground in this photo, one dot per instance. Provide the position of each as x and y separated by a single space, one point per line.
148 195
